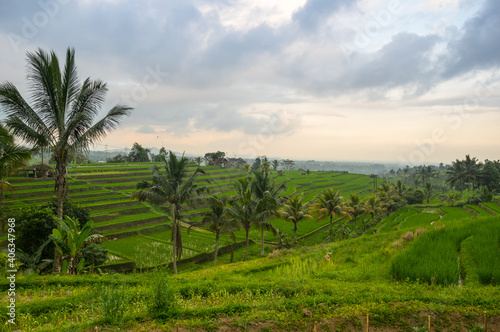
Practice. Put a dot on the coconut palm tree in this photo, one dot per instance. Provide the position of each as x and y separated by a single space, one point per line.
61 116
329 204
373 206
355 208
295 209
218 221
172 189
457 173
267 192
472 171
244 208
428 191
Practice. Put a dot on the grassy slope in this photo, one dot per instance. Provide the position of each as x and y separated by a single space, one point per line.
287 290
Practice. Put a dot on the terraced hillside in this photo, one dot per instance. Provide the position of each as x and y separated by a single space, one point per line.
142 231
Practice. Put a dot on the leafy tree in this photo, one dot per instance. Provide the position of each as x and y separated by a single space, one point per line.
295 209
62 113
214 158
70 239
415 197
329 204
138 153
490 176
119 158
172 188
35 224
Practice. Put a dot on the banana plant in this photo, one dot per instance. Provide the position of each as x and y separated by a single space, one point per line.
69 241
32 263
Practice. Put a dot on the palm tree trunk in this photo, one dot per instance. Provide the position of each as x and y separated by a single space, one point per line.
295 232
262 240
174 242
246 246
216 247
60 179
331 218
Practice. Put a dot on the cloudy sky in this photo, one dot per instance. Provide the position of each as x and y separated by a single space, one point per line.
379 80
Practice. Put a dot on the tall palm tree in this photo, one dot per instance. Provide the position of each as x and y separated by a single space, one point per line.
244 208
172 188
457 173
61 116
267 192
355 208
472 171
428 191
329 204
373 206
295 209
218 221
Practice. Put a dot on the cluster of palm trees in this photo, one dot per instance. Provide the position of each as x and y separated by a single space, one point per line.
466 172
257 198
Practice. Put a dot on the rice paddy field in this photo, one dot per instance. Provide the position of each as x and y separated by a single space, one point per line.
420 264
140 228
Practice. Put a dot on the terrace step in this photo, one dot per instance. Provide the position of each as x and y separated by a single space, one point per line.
48 193
119 179
106 206
144 231
47 185
110 176
116 214
130 224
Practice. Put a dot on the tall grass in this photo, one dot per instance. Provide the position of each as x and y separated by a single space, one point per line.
434 257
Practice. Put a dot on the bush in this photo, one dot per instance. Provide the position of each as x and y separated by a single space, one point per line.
94 254
35 224
416 197
33 227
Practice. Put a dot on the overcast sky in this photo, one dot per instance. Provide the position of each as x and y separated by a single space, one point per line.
409 81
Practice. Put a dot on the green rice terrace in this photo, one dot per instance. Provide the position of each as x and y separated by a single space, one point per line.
421 264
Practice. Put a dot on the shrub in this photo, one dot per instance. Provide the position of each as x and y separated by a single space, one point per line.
94 254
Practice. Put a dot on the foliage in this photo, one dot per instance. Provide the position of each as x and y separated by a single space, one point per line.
69 240
94 254
119 158
415 197
172 188
138 153
163 303
32 263
33 227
